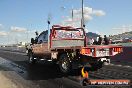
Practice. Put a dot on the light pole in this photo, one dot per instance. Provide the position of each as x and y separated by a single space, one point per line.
49 21
82 19
72 16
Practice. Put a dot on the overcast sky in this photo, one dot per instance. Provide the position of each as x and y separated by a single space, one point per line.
19 19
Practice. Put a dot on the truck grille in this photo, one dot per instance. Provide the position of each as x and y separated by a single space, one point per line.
67 43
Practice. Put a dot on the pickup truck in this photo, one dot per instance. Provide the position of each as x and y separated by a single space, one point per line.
67 47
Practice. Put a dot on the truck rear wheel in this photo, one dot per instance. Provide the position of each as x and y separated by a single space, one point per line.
31 59
64 64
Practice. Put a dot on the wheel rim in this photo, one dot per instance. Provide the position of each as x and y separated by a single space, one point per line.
64 64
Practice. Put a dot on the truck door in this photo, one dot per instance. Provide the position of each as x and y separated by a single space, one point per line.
43 43
35 48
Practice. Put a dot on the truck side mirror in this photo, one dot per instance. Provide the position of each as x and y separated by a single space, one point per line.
32 40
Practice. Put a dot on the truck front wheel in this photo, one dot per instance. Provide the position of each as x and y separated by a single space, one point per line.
64 64
31 59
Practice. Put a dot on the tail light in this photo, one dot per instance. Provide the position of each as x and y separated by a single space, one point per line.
85 51
117 49
82 51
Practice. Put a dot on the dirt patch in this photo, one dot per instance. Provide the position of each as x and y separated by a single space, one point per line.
6 82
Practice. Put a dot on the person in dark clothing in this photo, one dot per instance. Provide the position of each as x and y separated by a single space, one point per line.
100 40
95 42
106 41
32 40
36 38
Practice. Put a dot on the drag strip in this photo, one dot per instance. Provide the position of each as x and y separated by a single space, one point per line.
44 75
47 75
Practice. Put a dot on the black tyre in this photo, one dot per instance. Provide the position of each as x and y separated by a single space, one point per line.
64 64
31 59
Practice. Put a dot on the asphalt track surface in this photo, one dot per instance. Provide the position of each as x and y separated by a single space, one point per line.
43 74
47 75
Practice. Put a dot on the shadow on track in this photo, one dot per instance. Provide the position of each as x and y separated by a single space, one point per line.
44 71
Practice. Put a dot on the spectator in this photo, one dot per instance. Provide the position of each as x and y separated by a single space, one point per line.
106 41
99 40
91 41
95 42
32 41
36 38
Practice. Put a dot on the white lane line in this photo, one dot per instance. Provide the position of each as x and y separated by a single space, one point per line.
119 65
